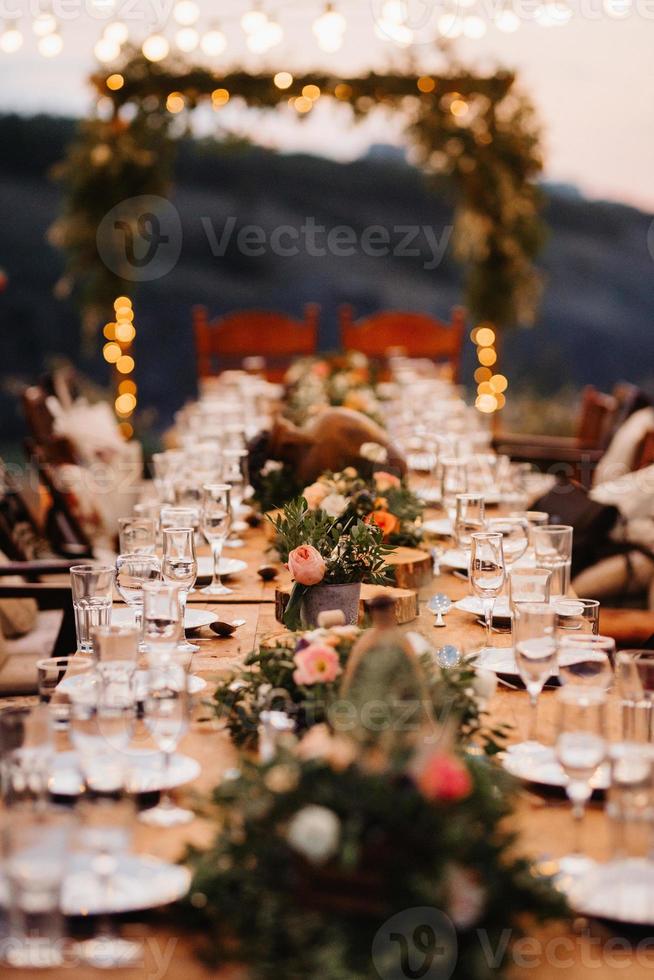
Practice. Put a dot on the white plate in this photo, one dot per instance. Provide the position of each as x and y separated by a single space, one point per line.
145 773
545 770
194 619
227 566
472 604
441 526
139 882
70 684
456 558
622 891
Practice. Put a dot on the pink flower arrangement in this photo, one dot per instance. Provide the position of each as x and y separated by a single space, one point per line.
384 481
314 494
444 777
306 565
316 664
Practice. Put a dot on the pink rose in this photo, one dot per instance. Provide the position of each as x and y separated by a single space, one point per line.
306 565
314 494
444 777
384 481
316 664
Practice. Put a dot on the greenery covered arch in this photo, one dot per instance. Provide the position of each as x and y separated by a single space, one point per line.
479 133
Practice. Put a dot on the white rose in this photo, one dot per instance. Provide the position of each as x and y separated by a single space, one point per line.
334 504
315 833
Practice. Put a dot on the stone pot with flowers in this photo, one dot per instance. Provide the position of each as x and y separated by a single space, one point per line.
329 558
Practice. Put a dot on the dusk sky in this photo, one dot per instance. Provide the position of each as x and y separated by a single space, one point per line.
591 79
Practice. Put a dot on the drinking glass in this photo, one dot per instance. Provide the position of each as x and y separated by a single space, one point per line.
470 518
235 476
177 517
216 521
101 731
535 655
162 619
585 660
630 799
454 481
534 518
132 573
136 535
91 587
165 465
115 653
487 573
577 616
106 833
167 718
553 547
581 748
515 536
529 585
26 754
51 670
37 852
180 567
634 673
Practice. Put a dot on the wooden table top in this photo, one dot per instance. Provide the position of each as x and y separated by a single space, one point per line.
576 953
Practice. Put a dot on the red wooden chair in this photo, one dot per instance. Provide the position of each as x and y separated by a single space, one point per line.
224 342
414 334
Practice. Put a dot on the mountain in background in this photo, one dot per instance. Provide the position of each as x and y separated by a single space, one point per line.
596 322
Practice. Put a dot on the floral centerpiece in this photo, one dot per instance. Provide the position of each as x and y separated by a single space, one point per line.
379 498
301 674
345 380
345 865
328 559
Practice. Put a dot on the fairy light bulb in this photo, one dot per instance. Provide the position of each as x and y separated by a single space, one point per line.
11 40
187 39
44 24
213 42
474 27
155 47
265 38
329 29
186 12
50 46
106 50
116 32
507 21
253 20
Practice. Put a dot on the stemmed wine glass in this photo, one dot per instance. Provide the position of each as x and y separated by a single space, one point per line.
454 481
133 571
216 521
235 476
180 567
487 573
470 518
535 656
581 748
167 718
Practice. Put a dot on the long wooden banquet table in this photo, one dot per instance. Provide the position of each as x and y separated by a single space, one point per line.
581 950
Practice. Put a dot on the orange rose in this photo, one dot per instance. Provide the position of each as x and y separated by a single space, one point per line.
385 520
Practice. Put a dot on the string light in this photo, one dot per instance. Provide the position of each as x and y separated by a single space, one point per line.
44 24
117 32
329 29
115 82
507 20
474 27
117 352
219 97
186 12
187 39
175 102
253 20
11 40
213 42
106 50
283 79
490 386
265 37
155 47
50 45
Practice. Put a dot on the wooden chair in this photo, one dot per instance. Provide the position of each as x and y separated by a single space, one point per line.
576 455
415 334
223 343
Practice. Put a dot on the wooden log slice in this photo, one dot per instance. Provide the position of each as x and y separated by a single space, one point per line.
413 568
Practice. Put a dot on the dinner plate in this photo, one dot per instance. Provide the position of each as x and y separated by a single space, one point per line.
455 558
542 768
194 619
441 526
138 882
620 891
472 604
144 774
69 685
226 567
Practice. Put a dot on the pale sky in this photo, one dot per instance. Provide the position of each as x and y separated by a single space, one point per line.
592 79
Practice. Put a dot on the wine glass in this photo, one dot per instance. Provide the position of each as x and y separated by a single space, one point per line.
101 729
454 481
167 718
585 660
180 567
136 535
235 476
133 571
487 573
216 520
535 655
581 748
515 536
577 616
470 518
